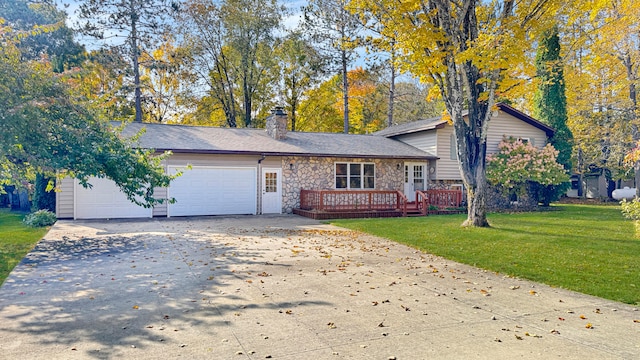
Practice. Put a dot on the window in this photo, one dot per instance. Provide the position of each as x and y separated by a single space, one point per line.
355 176
526 140
270 182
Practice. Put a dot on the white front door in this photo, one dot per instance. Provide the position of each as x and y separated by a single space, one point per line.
414 179
271 191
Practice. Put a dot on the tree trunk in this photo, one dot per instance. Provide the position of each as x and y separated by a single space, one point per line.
476 214
345 91
23 195
294 108
477 199
136 64
392 89
247 110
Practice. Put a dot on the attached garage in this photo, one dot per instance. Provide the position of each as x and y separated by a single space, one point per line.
104 200
213 190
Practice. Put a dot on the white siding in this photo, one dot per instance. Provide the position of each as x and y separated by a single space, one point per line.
446 168
64 199
425 141
506 125
160 209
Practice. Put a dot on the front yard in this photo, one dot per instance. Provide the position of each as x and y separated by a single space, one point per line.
587 248
16 240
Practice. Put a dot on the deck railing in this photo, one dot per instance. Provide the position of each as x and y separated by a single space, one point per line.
378 200
353 200
422 202
443 198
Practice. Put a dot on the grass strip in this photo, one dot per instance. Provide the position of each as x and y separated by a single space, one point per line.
16 240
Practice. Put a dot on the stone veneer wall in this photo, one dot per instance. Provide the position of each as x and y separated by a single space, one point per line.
317 173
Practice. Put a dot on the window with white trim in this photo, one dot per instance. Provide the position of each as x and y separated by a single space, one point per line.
355 176
526 140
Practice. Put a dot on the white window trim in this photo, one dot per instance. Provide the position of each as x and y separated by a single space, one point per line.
362 177
527 140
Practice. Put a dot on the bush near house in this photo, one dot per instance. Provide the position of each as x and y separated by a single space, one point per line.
519 169
40 218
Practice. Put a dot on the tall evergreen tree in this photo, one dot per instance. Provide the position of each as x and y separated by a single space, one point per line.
550 104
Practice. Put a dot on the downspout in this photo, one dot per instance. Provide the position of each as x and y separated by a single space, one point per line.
259 189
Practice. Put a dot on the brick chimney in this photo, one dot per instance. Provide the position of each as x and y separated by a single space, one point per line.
277 123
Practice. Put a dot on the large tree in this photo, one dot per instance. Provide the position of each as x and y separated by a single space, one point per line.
603 74
468 49
335 31
550 104
137 22
232 44
45 131
56 43
301 67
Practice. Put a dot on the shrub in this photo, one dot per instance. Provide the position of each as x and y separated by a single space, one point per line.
518 163
630 209
40 218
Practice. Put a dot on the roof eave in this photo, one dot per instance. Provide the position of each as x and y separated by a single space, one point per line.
417 130
268 153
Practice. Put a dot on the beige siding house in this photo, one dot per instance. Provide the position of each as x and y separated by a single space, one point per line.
257 171
436 137
246 171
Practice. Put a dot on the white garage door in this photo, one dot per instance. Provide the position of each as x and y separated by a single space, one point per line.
213 191
105 201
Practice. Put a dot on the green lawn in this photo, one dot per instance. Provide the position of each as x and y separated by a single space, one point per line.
16 239
587 248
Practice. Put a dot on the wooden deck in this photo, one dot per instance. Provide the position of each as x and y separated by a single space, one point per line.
350 204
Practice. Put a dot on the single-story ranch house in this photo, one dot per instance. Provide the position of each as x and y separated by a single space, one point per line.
256 171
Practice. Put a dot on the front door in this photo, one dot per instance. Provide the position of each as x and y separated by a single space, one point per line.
271 191
414 179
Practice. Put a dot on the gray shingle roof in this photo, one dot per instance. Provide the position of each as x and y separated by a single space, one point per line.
415 126
212 140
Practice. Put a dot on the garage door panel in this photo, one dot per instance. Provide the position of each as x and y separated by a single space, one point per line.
105 200
213 191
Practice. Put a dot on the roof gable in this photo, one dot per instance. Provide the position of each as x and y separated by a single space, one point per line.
437 123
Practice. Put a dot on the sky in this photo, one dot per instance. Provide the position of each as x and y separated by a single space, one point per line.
290 21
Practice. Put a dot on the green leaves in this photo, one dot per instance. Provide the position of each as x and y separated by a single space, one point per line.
44 131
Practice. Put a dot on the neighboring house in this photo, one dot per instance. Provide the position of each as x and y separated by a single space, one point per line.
246 171
258 171
436 136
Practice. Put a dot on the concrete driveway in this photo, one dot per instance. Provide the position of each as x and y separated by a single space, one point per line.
284 287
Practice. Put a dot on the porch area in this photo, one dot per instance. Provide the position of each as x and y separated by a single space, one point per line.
349 204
